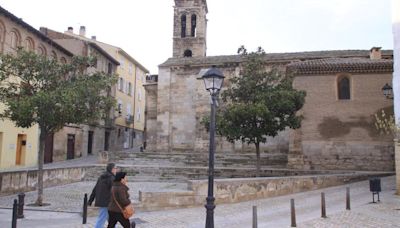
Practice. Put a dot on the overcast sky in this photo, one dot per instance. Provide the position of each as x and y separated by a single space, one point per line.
144 28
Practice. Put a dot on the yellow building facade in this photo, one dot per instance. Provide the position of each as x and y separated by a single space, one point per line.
19 146
130 96
129 114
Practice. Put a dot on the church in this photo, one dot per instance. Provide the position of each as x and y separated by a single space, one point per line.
344 92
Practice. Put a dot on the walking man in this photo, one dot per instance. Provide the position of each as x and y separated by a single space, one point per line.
102 193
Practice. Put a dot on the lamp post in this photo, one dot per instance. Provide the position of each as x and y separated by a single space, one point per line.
213 79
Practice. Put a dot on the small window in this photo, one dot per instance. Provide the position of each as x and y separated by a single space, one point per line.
187 53
119 108
63 60
121 84
29 44
193 30
15 39
53 55
344 88
109 68
183 26
129 88
130 68
42 50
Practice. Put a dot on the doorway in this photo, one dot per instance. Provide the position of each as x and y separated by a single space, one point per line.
48 149
71 146
106 140
21 149
90 142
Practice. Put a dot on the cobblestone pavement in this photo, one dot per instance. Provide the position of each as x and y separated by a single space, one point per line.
69 198
272 212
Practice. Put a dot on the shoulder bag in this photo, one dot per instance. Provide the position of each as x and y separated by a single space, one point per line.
128 211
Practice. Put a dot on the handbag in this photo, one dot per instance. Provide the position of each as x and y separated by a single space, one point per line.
128 211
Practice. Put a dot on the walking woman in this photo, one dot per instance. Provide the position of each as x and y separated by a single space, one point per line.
119 201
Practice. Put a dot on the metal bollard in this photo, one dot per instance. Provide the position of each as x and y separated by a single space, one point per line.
85 206
293 213
21 202
14 214
347 198
255 225
323 206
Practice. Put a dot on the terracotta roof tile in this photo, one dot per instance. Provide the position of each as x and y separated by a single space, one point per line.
337 65
273 57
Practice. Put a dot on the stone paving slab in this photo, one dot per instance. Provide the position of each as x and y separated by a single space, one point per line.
69 198
272 212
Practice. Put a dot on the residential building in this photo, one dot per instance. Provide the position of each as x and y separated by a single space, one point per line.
130 97
81 140
129 115
19 146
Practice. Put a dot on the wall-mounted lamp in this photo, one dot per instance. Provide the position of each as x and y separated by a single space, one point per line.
387 91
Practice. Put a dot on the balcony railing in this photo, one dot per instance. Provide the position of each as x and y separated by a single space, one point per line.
129 119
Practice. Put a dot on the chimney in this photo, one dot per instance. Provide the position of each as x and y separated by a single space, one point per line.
43 30
82 31
375 53
70 30
93 37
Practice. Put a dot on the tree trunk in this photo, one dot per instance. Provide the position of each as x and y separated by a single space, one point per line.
42 140
258 159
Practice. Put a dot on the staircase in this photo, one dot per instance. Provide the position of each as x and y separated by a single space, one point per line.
149 166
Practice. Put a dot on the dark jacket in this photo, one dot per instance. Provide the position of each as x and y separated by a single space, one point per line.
121 196
102 190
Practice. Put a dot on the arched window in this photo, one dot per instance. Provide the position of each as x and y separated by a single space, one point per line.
344 88
53 55
42 50
29 44
183 25
63 60
2 35
193 30
15 39
187 53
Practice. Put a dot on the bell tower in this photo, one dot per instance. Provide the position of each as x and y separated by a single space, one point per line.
190 27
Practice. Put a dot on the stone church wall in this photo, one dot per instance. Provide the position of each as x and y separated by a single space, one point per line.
340 134
182 104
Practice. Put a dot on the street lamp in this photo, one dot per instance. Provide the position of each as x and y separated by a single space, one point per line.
213 79
387 91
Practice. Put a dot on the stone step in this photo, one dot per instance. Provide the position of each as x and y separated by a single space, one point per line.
182 174
182 166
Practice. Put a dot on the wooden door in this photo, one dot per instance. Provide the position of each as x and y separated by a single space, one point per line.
106 140
48 149
90 142
21 149
71 147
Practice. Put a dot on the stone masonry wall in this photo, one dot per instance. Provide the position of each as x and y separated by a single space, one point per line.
340 134
182 102
242 189
22 181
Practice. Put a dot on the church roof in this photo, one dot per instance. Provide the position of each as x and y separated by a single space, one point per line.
335 65
273 57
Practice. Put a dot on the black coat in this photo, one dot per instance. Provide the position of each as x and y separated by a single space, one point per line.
102 190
